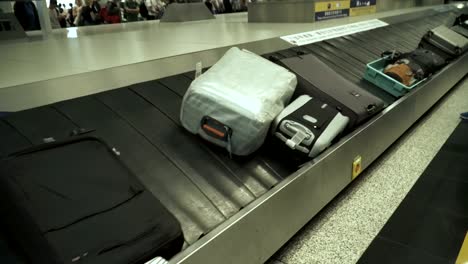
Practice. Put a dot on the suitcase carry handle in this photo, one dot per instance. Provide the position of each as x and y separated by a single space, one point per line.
216 129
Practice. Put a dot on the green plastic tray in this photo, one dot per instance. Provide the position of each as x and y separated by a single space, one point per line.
374 74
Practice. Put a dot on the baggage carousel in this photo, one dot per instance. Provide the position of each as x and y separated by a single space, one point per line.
240 210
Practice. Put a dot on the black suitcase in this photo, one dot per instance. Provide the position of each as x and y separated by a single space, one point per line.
445 42
318 80
75 202
308 126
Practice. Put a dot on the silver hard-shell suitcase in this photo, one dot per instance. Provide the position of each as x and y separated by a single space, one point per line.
445 42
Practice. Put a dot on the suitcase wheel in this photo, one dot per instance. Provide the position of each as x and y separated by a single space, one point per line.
371 108
273 58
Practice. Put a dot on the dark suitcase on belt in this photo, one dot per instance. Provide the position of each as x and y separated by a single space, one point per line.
315 78
308 126
444 42
75 202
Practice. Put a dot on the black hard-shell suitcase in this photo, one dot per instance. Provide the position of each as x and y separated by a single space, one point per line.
445 42
318 80
75 202
308 126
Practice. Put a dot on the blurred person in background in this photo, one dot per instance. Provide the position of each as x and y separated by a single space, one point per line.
155 8
56 18
160 8
97 10
113 12
132 10
151 6
70 17
88 14
209 5
218 6
77 13
227 6
26 13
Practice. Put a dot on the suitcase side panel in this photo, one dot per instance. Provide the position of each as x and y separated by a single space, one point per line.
330 87
93 236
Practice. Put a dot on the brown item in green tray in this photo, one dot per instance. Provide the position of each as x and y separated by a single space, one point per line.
400 72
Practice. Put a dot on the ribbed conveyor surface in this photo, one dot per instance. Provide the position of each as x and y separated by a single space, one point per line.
199 183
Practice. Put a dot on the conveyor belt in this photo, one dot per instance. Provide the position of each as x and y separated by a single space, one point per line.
196 181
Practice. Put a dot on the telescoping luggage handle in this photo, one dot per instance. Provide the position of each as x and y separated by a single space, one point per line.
301 135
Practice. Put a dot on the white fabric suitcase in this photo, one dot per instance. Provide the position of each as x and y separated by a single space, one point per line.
308 126
235 101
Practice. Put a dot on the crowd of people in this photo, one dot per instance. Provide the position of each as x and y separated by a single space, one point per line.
96 12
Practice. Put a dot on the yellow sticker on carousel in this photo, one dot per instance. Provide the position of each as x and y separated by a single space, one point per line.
357 167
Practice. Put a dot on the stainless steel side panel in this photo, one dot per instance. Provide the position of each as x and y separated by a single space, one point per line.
282 12
16 98
257 231
186 12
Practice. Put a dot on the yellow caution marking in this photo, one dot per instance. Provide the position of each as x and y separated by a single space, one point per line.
463 255
357 167
364 10
331 5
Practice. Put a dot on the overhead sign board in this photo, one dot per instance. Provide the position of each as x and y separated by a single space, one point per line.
331 9
362 7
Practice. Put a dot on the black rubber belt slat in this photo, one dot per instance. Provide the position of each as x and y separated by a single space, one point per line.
387 43
371 43
287 53
182 148
356 69
398 40
11 140
190 75
345 73
178 83
194 211
253 172
410 39
414 32
39 123
344 57
371 39
418 27
352 41
363 55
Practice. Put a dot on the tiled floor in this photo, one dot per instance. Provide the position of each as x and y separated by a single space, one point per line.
345 228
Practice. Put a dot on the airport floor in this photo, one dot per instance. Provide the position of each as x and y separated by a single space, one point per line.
345 228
